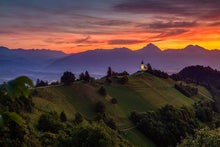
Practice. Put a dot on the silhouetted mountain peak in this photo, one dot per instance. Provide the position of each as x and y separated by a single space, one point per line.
5 51
194 48
151 45
150 48
3 48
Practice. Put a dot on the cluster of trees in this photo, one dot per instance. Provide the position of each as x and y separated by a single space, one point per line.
111 73
157 73
100 108
205 76
60 132
167 125
205 111
187 90
202 138
85 77
121 78
41 83
177 77
201 74
68 77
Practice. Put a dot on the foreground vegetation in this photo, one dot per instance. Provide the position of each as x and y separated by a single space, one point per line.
142 109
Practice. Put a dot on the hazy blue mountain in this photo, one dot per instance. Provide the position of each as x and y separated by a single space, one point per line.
149 49
48 64
171 60
15 62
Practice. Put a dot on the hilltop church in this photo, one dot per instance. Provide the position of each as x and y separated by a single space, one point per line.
143 68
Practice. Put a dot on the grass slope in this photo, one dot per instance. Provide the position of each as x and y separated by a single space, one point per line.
143 92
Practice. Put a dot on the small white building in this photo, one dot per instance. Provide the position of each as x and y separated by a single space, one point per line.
143 68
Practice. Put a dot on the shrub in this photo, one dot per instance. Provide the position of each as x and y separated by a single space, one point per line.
48 139
108 80
123 80
114 101
78 118
100 107
159 73
111 123
102 91
48 122
202 138
63 117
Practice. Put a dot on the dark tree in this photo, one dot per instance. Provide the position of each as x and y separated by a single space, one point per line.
109 72
100 107
81 77
63 117
87 76
108 80
78 118
41 83
49 123
123 80
102 91
149 68
55 83
111 123
68 78
114 101
37 82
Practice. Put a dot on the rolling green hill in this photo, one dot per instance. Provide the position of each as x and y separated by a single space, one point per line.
142 92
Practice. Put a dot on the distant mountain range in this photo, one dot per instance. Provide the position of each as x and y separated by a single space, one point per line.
15 62
48 64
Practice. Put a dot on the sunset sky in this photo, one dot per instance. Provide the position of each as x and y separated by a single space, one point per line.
74 26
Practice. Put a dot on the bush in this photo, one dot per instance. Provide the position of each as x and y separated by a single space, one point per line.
123 80
124 73
102 91
48 122
78 118
111 123
48 139
100 107
108 80
159 73
63 117
202 138
114 101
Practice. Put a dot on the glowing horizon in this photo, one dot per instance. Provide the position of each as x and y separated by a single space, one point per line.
73 26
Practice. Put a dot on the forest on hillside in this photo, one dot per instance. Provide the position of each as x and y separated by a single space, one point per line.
24 123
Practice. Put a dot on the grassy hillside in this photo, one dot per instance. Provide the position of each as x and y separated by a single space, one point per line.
142 92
